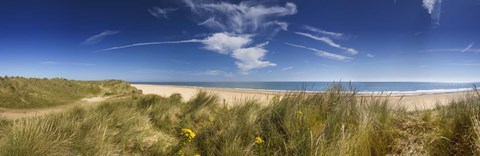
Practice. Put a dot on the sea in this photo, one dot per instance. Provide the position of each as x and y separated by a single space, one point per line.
361 87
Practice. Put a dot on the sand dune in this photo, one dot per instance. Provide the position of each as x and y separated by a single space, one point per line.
12 114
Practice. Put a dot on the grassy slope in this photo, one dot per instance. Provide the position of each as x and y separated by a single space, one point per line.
333 123
299 124
36 93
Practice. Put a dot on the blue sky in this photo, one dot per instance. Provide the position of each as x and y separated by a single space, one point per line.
256 40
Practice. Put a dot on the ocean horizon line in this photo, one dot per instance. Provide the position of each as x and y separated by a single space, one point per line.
361 87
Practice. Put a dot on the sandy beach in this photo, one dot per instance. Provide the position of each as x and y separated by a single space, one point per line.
232 96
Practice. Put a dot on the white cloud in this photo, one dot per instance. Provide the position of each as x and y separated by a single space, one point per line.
323 54
468 47
434 9
245 17
247 58
224 43
99 37
215 73
429 5
329 41
283 25
287 68
251 58
236 26
370 55
211 72
324 32
160 12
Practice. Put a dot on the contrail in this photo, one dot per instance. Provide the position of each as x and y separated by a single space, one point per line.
149 43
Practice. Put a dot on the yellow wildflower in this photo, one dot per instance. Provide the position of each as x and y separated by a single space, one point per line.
196 154
258 140
188 134
299 113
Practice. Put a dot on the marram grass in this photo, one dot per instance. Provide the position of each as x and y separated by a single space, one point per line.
18 92
332 123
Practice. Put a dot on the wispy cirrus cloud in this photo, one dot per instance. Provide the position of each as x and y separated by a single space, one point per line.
148 43
323 54
329 42
245 17
99 37
67 63
161 12
468 47
212 23
237 46
459 50
287 68
237 26
465 64
215 73
335 35
370 55
434 8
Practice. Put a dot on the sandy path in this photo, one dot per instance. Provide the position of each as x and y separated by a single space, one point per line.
231 96
12 114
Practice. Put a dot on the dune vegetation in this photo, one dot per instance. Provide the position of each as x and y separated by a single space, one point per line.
18 92
335 122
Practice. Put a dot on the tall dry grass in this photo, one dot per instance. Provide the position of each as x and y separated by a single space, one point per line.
335 122
19 92
455 127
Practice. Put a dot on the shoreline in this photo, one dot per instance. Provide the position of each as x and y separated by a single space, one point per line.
231 96
363 93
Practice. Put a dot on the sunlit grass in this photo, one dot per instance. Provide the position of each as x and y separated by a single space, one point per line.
335 122
18 92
